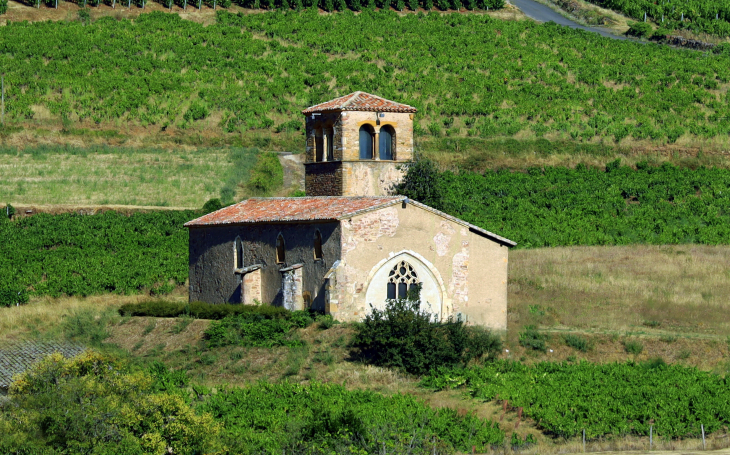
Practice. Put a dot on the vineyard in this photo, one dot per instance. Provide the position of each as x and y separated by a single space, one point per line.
711 17
611 399
83 255
558 206
467 75
322 418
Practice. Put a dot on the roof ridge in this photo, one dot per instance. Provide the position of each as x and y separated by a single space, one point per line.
355 95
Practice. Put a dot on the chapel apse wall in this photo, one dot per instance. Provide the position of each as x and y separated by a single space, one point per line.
212 261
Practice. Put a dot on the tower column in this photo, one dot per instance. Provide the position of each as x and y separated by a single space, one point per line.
376 146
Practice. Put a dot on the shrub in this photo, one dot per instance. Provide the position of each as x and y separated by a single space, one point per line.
325 322
639 29
9 209
212 205
13 297
633 346
3 6
93 404
532 339
250 329
577 342
266 175
200 310
196 111
291 125
404 336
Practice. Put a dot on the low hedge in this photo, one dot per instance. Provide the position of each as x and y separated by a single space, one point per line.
200 310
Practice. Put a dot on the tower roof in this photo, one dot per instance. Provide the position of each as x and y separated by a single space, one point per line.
360 101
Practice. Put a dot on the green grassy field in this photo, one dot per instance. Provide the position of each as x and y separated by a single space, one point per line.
178 177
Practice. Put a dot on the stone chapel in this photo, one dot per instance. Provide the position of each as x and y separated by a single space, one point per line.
350 245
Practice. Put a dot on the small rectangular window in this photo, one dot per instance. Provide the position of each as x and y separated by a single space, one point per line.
330 145
391 290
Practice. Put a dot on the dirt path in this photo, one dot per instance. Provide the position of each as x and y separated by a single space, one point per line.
293 172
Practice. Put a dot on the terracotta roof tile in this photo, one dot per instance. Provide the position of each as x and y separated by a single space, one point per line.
360 101
284 209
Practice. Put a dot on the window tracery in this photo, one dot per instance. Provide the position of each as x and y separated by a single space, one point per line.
400 279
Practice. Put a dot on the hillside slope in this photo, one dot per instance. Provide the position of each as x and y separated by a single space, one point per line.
468 75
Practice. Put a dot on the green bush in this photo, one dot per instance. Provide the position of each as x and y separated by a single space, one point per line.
212 205
639 29
9 209
577 342
196 111
13 297
267 174
3 6
660 33
532 339
633 346
404 336
94 404
325 321
251 329
200 310
291 125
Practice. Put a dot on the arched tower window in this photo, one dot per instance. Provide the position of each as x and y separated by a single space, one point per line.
387 136
400 279
367 141
330 133
280 250
317 245
318 145
239 253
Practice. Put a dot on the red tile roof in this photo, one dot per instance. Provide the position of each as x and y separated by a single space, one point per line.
360 101
320 208
284 209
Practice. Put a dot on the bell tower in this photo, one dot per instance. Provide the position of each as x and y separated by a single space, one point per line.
354 145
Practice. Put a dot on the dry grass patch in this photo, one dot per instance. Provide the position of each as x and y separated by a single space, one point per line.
652 289
44 315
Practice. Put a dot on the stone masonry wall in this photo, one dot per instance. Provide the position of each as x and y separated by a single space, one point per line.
252 287
323 179
213 276
346 128
466 272
401 123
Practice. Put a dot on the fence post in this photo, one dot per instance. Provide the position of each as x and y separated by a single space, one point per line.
2 116
703 435
651 436
584 439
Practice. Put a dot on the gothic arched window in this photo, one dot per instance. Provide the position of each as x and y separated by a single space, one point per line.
239 253
280 250
401 278
387 136
367 135
317 245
